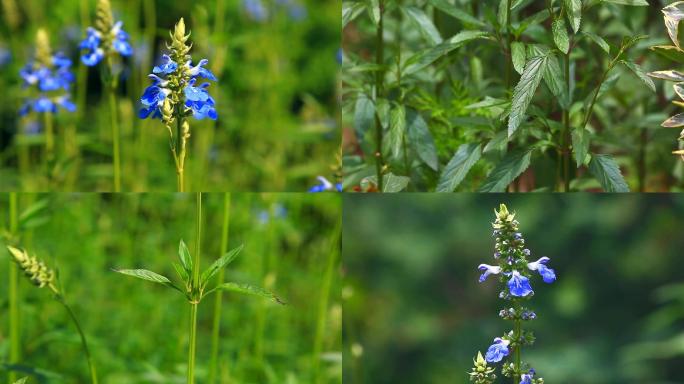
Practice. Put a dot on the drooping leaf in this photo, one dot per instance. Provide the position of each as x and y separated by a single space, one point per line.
560 35
247 289
456 12
524 91
673 15
518 56
555 80
219 264
351 10
640 73
426 57
510 167
607 172
421 139
580 145
397 130
184 256
144 274
456 170
573 9
638 3
364 115
598 40
675 121
424 23
668 75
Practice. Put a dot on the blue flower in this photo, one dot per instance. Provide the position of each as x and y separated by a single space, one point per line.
198 99
255 9
120 42
95 52
44 104
92 44
548 274
48 79
519 285
167 66
325 185
497 351
526 378
488 270
65 102
200 71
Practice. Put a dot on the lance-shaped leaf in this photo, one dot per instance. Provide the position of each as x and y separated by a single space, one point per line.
424 58
524 91
668 75
673 15
425 25
391 183
560 35
421 139
669 52
144 274
580 145
219 264
518 56
675 121
598 40
350 10
364 115
465 157
397 130
607 172
456 12
184 255
555 80
573 8
638 3
182 273
640 73
510 167
247 289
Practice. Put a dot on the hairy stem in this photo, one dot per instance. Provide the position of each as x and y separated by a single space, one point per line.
13 290
218 300
91 364
379 80
113 110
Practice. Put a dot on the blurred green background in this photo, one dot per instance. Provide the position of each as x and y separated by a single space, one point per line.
138 330
276 97
414 311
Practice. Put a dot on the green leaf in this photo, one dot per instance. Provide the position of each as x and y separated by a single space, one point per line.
560 35
456 12
351 10
524 91
426 57
673 15
364 115
247 289
144 274
421 139
607 172
668 75
518 56
669 52
465 157
640 73
181 272
573 9
184 256
510 167
397 130
21 381
502 15
679 90
580 145
391 183
638 3
219 264
554 79
374 11
427 28
675 121
598 40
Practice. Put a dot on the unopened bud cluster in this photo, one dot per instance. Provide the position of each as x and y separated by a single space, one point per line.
39 274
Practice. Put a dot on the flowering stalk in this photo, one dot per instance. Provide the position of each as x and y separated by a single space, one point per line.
14 351
173 96
515 272
41 276
107 41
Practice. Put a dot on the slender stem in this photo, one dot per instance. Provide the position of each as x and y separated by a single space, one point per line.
15 352
196 294
643 141
379 80
115 137
509 41
91 364
49 136
193 342
566 129
218 300
518 337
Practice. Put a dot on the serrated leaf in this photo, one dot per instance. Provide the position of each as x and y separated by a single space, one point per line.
573 9
247 289
425 25
668 75
374 11
607 172
219 264
456 12
675 121
364 115
638 3
426 57
510 167
639 72
421 139
350 11
397 130
184 256
580 145
560 35
518 56
144 274
456 170
598 40
524 91
554 79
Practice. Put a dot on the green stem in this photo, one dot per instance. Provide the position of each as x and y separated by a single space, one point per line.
379 80
15 352
218 300
49 136
509 56
91 364
517 335
643 141
196 294
566 130
115 138
193 342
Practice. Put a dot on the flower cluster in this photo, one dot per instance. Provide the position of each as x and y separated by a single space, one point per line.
515 273
173 93
34 269
324 185
106 38
50 76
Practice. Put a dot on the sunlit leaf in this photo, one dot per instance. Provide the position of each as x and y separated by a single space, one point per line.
675 121
247 289
573 9
668 75
425 25
560 35
518 56
524 91
456 12
144 274
456 170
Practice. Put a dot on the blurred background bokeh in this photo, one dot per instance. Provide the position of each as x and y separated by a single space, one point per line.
276 97
414 311
138 330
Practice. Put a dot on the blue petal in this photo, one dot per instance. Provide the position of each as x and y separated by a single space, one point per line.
167 65
548 274
122 46
519 285
66 103
93 57
496 352
43 104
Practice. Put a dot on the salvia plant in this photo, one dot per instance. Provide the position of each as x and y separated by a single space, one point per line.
174 95
48 78
395 95
41 276
673 14
515 272
195 286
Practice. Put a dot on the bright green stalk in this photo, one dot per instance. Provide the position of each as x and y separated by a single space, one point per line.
379 80
195 293
323 300
216 328
15 352
49 136
91 364
115 137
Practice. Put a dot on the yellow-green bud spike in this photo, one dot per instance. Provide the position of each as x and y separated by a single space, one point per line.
104 20
35 270
43 52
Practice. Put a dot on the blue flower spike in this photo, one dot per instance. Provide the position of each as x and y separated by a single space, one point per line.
106 40
324 186
510 256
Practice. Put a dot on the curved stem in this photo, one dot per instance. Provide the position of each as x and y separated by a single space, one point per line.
91 364
216 327
13 290
115 137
